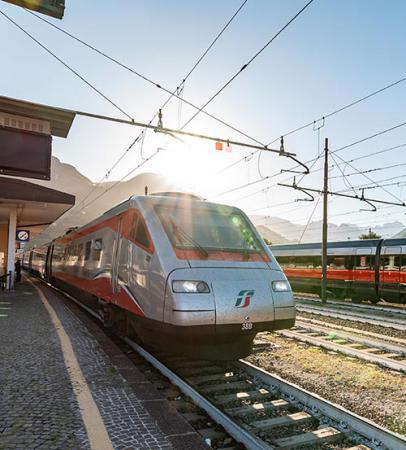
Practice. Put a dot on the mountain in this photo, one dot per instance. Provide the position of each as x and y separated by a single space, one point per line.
401 234
271 235
93 199
293 232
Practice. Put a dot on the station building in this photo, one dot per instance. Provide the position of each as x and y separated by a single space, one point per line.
27 208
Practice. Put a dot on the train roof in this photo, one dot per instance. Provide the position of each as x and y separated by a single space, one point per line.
361 243
163 198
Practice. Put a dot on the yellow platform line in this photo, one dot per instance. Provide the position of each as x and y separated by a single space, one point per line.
96 431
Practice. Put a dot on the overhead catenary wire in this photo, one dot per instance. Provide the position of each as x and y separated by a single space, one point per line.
309 219
141 136
374 185
340 149
249 62
160 86
344 176
369 155
66 65
372 181
322 118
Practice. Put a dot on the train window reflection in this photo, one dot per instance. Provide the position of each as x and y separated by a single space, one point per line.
141 236
88 250
97 249
307 262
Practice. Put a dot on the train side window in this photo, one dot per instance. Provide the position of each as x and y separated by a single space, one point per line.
308 262
390 262
336 262
80 252
97 249
133 228
363 262
349 262
283 260
88 249
141 236
403 266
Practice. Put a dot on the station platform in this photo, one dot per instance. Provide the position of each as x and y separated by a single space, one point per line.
64 384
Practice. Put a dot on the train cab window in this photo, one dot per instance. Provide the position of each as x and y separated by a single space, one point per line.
97 250
88 249
141 235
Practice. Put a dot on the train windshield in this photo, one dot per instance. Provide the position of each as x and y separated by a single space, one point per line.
204 229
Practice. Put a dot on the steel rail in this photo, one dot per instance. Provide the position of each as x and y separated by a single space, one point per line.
382 322
357 331
236 431
356 338
360 425
388 310
381 360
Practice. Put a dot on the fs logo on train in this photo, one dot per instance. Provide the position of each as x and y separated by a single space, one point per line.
244 298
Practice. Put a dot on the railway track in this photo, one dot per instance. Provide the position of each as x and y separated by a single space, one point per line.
354 316
371 349
263 411
389 311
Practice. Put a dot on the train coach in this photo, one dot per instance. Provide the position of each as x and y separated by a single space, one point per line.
372 269
178 272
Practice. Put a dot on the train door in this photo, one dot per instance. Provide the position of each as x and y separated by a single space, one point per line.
116 259
389 271
364 274
48 262
140 262
402 278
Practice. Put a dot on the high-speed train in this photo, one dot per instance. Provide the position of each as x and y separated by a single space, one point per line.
180 273
371 269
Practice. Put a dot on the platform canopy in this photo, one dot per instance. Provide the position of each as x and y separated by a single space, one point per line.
26 131
37 206
60 120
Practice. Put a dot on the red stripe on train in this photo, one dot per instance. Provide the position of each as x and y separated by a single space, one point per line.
101 287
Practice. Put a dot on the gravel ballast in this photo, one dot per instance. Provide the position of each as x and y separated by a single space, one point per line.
375 393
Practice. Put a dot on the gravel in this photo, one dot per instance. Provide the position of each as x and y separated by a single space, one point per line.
375 393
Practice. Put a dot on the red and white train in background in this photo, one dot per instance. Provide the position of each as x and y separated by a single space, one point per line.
180 273
372 269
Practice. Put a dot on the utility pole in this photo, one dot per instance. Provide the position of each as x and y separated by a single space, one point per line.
325 215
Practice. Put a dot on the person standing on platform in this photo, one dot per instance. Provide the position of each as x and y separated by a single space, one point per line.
17 268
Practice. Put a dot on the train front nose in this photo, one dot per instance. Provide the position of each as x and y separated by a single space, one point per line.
226 320
245 304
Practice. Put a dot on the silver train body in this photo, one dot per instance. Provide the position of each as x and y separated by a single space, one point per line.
180 273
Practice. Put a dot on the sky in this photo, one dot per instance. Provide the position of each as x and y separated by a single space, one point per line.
334 53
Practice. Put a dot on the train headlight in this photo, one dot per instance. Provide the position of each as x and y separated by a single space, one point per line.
190 287
280 286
